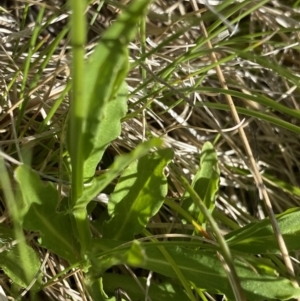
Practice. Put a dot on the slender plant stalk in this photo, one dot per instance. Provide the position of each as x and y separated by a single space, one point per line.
78 38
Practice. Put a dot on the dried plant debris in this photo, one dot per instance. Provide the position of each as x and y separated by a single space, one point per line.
174 94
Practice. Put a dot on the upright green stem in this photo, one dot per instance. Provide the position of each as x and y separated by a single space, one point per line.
77 113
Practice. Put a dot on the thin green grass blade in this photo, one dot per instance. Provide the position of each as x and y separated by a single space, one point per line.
33 41
285 186
55 107
259 234
256 97
252 113
45 57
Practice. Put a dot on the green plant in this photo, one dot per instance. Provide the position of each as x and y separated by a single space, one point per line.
187 264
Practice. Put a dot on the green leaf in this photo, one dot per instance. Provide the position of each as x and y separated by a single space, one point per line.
157 292
39 214
136 254
204 269
98 184
138 195
107 129
260 236
121 162
95 288
205 183
12 264
105 74
102 77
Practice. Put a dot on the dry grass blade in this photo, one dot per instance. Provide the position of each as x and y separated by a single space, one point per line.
177 69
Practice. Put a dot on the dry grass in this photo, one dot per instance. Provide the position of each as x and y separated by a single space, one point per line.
169 91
